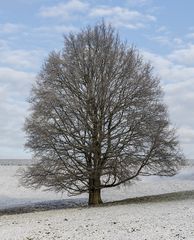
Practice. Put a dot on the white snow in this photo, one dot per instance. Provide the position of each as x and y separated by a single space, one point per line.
173 220
11 194
148 221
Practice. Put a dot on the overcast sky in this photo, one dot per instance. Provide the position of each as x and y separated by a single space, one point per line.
163 30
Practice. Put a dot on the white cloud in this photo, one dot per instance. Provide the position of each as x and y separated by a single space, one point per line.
118 16
178 84
64 10
56 29
21 58
3 44
186 134
139 2
17 83
122 16
11 123
180 97
162 39
10 28
3 93
183 56
190 35
14 89
177 41
162 29
166 40
169 70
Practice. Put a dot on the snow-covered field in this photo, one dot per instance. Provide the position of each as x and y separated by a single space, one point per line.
148 221
11 194
145 221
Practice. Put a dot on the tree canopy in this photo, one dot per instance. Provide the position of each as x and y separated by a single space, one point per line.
98 118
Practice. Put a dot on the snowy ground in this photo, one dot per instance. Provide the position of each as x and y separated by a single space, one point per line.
11 194
172 220
148 221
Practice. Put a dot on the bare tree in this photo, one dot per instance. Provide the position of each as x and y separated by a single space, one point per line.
97 118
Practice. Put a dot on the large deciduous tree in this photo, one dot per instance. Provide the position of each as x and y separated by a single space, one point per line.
97 118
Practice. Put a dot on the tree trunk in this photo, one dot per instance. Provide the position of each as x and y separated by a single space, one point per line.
95 197
94 192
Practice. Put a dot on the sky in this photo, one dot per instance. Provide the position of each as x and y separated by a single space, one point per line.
162 30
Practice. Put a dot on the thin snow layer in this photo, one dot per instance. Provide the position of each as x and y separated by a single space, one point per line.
148 221
11 194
